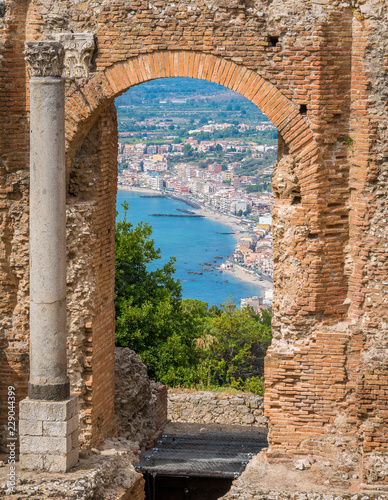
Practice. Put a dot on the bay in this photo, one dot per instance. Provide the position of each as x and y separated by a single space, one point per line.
193 242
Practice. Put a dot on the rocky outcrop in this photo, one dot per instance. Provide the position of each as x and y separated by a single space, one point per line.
137 399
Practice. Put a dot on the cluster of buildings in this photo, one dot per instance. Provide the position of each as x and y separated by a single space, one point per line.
216 186
211 127
255 250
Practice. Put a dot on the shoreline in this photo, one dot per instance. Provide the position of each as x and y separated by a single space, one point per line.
247 276
227 220
136 189
238 271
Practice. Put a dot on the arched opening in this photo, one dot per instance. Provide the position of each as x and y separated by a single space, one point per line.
92 152
188 147
205 145
328 275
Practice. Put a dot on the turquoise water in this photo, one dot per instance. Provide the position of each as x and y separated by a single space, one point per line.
193 242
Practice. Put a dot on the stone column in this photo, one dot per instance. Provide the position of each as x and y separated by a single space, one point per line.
48 364
48 417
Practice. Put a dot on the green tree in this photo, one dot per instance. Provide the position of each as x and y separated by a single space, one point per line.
252 188
149 314
240 338
188 150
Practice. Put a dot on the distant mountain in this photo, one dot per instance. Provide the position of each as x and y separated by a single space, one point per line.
181 88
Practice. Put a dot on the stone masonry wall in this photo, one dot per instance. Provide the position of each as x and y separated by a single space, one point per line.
318 69
215 408
91 195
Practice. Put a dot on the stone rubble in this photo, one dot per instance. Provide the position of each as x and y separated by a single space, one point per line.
135 398
100 474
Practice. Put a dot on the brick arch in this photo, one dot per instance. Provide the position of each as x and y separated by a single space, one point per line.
104 86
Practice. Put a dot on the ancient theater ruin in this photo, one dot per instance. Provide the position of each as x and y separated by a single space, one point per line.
319 70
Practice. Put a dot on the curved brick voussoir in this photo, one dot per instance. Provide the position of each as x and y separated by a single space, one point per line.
119 77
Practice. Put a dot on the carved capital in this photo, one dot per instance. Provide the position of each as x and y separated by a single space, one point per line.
79 48
44 59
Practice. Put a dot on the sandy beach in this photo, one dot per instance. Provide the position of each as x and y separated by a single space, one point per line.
247 276
228 220
135 189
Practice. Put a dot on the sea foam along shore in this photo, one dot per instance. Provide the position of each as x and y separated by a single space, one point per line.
234 223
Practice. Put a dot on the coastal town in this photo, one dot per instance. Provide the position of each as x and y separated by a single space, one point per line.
214 151
213 192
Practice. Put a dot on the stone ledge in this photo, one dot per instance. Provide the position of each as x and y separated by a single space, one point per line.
213 407
282 481
106 473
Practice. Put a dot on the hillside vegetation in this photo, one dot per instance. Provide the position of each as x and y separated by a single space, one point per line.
182 342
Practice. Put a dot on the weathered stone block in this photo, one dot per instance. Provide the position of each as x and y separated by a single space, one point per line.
236 401
51 441
32 461
60 429
248 419
44 444
59 411
60 463
31 427
74 439
243 409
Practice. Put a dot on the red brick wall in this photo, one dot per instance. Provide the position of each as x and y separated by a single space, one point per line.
161 407
103 341
92 185
330 322
14 138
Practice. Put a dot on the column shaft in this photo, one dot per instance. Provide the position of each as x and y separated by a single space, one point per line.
48 375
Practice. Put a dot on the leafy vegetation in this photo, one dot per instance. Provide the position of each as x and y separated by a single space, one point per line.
149 314
182 342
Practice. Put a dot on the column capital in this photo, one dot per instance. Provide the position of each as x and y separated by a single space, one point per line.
44 58
66 55
79 48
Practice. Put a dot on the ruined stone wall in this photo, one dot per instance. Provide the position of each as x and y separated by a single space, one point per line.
318 70
204 407
91 209
13 208
140 403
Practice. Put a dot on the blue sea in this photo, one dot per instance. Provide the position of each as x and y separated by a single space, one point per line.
192 242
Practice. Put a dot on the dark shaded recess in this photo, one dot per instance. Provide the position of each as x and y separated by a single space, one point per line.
273 40
186 487
303 109
197 467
